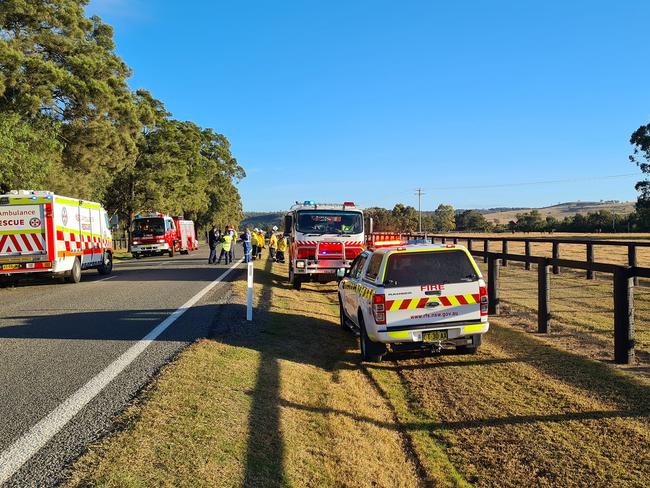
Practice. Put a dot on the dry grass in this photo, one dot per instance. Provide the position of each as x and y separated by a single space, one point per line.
281 402
602 254
284 402
582 311
522 413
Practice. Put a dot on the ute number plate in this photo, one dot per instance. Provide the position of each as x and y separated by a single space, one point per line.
438 335
11 266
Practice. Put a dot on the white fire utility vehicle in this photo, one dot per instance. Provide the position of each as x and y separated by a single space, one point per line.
421 296
323 237
41 232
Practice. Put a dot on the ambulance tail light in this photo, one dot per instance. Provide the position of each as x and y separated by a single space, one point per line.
483 293
379 308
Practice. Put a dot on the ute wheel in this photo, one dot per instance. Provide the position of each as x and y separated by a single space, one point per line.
371 352
342 318
137 255
107 264
74 275
470 349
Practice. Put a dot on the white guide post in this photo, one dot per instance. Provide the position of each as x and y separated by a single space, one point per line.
249 307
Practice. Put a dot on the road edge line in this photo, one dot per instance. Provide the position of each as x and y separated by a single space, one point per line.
26 446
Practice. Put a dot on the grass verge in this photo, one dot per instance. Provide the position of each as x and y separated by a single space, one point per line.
283 401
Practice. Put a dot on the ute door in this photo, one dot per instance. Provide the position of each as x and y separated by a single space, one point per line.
353 280
431 287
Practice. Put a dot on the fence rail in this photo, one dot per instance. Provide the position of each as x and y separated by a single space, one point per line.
624 277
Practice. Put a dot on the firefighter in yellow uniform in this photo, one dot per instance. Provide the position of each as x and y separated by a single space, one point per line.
282 248
261 241
273 246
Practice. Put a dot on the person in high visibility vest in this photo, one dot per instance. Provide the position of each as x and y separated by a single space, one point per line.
226 246
282 247
273 245
261 241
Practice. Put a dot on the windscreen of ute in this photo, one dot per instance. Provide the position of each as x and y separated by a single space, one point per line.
329 222
153 226
429 268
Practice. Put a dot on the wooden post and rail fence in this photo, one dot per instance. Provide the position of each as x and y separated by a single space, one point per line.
624 277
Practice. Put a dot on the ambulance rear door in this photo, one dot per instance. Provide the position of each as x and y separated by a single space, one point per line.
22 230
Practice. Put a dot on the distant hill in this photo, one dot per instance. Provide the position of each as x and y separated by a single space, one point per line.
561 210
263 220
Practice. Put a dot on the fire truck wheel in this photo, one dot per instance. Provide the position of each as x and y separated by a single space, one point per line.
74 275
297 282
343 319
171 252
371 352
107 264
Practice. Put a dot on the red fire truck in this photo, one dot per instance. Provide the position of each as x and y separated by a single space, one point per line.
323 237
157 234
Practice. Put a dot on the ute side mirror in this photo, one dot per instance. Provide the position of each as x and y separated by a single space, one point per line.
341 273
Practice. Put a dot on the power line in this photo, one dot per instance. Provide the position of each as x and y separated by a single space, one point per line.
532 183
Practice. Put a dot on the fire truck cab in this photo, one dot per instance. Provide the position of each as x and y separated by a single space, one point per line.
157 234
323 237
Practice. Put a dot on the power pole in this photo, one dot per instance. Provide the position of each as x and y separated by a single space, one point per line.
419 194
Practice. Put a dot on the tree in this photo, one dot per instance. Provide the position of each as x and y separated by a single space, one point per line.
29 153
640 139
56 63
444 218
406 218
472 221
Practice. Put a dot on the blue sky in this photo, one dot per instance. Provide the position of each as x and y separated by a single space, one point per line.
369 100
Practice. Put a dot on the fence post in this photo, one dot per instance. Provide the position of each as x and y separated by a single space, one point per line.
527 252
591 274
455 240
493 285
556 255
469 245
504 250
623 316
444 240
543 297
486 250
631 260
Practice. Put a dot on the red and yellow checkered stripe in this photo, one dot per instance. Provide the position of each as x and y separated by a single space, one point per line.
447 301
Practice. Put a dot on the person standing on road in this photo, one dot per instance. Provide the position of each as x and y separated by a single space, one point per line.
273 244
254 242
246 239
233 234
226 245
282 247
213 240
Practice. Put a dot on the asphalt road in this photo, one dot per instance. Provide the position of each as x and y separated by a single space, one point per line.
55 337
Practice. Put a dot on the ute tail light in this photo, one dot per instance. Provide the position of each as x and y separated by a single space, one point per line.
483 293
379 308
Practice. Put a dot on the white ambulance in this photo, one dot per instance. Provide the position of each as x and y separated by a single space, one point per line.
41 232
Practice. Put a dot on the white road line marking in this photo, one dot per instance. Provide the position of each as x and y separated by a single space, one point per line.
21 451
104 279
